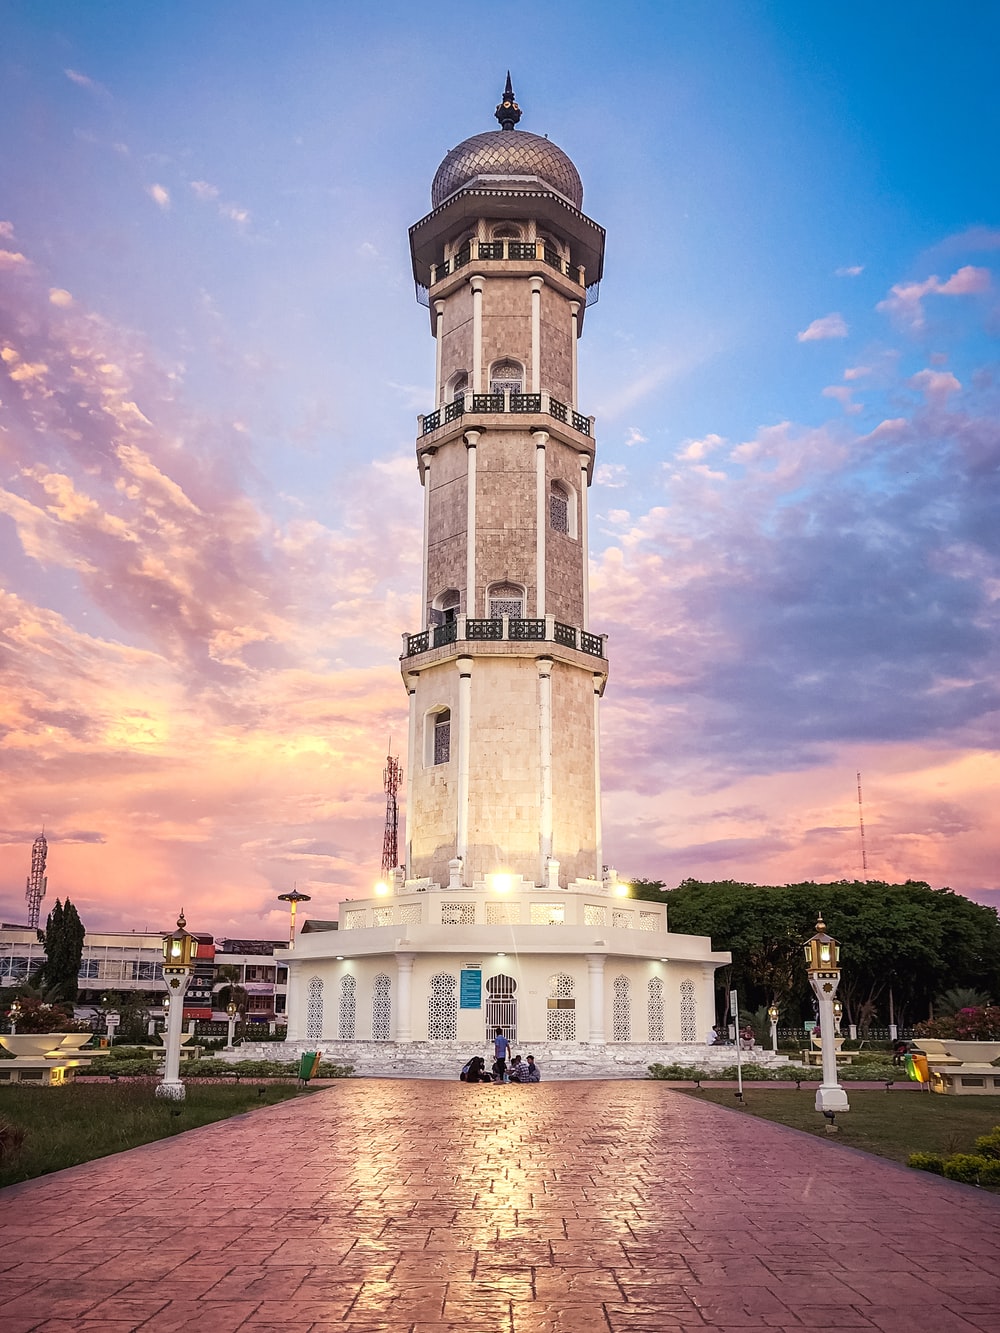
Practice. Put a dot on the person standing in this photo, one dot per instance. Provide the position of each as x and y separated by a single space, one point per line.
501 1049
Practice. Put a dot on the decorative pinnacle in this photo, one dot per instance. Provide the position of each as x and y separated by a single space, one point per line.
820 925
181 923
508 113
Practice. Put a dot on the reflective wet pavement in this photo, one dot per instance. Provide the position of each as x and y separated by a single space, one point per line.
425 1207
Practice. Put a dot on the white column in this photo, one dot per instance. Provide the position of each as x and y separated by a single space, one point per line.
830 1096
477 284
598 830
438 343
404 996
464 749
595 968
541 438
171 1086
585 540
427 455
471 440
413 745
574 310
545 763
536 285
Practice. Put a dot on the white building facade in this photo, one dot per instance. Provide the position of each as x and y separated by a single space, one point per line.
503 914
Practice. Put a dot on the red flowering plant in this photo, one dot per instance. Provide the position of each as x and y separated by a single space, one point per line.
40 1016
979 1023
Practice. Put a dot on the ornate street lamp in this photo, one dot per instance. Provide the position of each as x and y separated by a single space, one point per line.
822 953
179 951
293 899
772 1014
14 1014
231 1012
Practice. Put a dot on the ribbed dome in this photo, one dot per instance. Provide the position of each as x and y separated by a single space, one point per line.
507 153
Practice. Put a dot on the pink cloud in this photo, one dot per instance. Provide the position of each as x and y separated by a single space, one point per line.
830 326
904 304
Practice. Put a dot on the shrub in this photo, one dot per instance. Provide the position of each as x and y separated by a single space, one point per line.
11 1140
926 1161
678 1073
977 1023
965 1167
988 1145
751 1073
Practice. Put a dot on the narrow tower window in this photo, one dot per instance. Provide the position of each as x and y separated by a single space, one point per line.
506 599
559 508
442 737
506 375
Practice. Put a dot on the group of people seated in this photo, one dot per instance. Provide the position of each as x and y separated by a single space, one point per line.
520 1071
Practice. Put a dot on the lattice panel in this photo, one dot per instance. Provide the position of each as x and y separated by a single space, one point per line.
649 920
622 919
409 914
622 1010
594 916
348 1007
654 1008
381 1008
381 916
442 1008
506 606
314 1010
442 742
503 914
547 914
560 1024
689 1012
356 918
458 914
559 513
561 986
500 985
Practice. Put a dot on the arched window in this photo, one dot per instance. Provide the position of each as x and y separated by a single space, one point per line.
622 1010
442 1008
381 1008
501 1007
562 508
689 1012
314 1009
505 599
348 1007
456 386
445 606
561 1009
437 737
506 375
654 1008
506 231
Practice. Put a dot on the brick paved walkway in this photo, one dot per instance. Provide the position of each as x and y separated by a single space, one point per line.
422 1207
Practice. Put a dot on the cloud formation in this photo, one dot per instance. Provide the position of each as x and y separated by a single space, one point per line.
905 302
830 326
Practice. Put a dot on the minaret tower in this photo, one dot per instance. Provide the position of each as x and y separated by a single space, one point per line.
505 675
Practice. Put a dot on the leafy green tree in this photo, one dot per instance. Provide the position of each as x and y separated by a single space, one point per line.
64 936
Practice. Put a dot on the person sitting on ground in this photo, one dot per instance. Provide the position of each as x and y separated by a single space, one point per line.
518 1070
534 1073
475 1071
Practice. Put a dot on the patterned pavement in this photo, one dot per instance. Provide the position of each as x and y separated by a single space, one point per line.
426 1207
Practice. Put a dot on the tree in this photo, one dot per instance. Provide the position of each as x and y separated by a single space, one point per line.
64 936
902 944
232 991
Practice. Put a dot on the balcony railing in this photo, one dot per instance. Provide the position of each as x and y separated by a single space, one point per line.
513 629
530 250
537 404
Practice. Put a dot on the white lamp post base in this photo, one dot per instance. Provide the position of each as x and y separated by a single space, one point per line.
832 1099
173 1090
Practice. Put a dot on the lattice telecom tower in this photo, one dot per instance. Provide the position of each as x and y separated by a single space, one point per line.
37 883
391 777
861 822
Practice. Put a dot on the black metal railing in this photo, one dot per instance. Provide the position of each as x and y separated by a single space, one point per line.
462 256
526 630
523 250
491 249
524 403
517 629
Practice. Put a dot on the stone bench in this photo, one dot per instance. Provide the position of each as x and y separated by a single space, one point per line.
46 1073
813 1054
935 1052
966 1080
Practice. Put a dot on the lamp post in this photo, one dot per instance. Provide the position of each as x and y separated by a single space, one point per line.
231 1012
293 899
822 954
772 1014
15 1014
179 949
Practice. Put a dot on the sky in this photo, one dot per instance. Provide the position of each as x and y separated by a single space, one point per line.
211 360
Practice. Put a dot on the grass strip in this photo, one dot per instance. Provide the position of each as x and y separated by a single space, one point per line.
67 1126
886 1124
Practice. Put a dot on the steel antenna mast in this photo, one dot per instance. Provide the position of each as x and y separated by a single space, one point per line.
861 822
391 777
36 885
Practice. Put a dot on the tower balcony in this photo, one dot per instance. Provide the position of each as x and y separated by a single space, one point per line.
507 403
504 629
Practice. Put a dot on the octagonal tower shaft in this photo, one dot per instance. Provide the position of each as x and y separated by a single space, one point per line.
505 675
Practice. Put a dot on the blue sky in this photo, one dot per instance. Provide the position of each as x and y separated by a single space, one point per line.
793 363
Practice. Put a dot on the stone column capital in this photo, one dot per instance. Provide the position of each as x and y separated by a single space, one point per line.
541 438
471 438
477 283
536 284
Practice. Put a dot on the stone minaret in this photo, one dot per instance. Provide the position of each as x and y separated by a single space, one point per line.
505 676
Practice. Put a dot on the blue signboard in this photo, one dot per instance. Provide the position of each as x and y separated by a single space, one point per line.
470 990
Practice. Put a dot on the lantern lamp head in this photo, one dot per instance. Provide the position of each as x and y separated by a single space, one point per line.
231 1009
822 952
179 947
772 1012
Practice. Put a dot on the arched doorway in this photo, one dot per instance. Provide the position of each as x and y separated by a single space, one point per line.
501 1007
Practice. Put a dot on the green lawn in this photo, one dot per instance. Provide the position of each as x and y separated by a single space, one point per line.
888 1124
67 1126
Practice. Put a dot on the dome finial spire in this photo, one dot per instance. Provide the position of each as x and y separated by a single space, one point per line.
508 113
